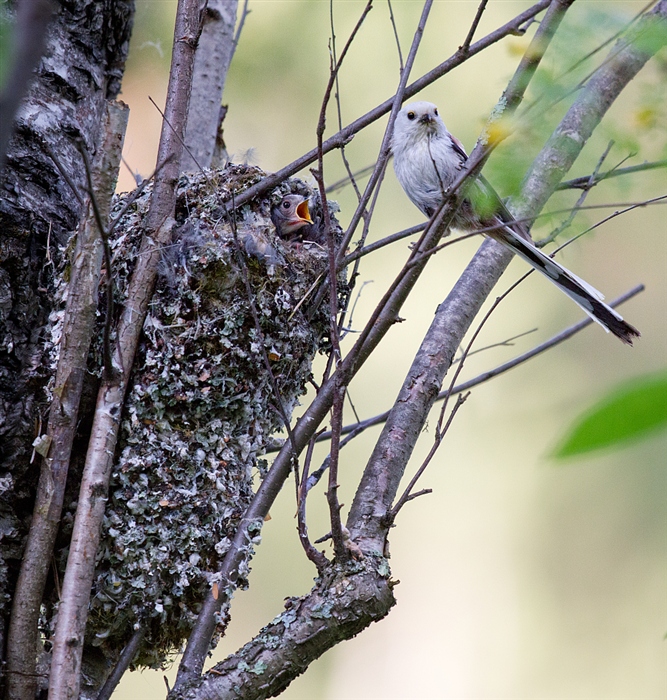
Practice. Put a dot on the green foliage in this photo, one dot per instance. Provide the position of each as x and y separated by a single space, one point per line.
638 130
627 413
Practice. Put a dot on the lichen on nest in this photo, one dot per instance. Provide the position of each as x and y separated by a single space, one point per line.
200 407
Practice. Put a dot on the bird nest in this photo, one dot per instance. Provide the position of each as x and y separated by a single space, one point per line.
231 317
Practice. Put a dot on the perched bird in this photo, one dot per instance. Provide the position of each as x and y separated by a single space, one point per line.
291 218
427 160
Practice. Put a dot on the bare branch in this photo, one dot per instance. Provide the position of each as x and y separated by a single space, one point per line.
440 434
237 37
337 409
398 42
344 135
473 27
312 553
580 202
587 181
212 60
124 661
69 634
355 429
78 326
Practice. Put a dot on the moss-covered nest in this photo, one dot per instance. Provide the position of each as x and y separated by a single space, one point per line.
200 406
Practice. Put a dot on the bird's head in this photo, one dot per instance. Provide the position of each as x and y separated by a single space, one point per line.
415 121
290 215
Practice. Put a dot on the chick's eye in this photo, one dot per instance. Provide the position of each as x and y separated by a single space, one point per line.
411 115
435 111
285 205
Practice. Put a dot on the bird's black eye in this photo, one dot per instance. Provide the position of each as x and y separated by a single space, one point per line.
435 111
411 115
286 205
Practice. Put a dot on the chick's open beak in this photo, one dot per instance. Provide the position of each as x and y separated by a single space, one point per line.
303 212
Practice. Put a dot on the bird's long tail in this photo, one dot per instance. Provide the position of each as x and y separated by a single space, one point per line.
582 293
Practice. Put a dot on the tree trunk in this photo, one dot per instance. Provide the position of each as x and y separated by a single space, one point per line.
81 69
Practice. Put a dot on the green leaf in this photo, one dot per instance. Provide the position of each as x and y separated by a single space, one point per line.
627 413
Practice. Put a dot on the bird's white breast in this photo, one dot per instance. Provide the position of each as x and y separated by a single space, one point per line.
425 167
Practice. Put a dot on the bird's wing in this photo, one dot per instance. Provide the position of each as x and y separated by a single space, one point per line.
458 149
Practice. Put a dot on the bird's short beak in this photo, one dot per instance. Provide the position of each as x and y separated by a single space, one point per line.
426 119
303 212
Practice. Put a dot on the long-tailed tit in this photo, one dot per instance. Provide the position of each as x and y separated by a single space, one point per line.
427 160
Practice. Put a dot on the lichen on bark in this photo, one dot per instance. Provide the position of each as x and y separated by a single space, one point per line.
201 406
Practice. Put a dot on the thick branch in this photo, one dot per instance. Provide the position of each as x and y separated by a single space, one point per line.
72 613
78 325
367 522
343 603
214 54
406 419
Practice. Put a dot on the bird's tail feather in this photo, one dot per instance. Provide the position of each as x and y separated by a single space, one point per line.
582 293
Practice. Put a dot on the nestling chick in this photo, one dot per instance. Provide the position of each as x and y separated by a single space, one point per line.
293 222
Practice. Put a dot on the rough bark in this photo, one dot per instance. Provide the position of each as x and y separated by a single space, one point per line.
78 326
81 68
343 603
73 609
368 522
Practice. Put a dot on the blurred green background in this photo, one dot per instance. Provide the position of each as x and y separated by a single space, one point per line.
521 576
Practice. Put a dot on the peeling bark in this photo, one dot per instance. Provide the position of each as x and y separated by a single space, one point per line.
81 68
342 603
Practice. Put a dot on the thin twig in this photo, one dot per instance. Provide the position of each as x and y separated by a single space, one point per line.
662 199
339 184
580 202
123 663
440 434
376 245
337 409
344 135
136 193
332 490
312 553
507 343
244 13
315 477
398 41
585 181
356 428
350 175
260 337
473 27
385 147
182 141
